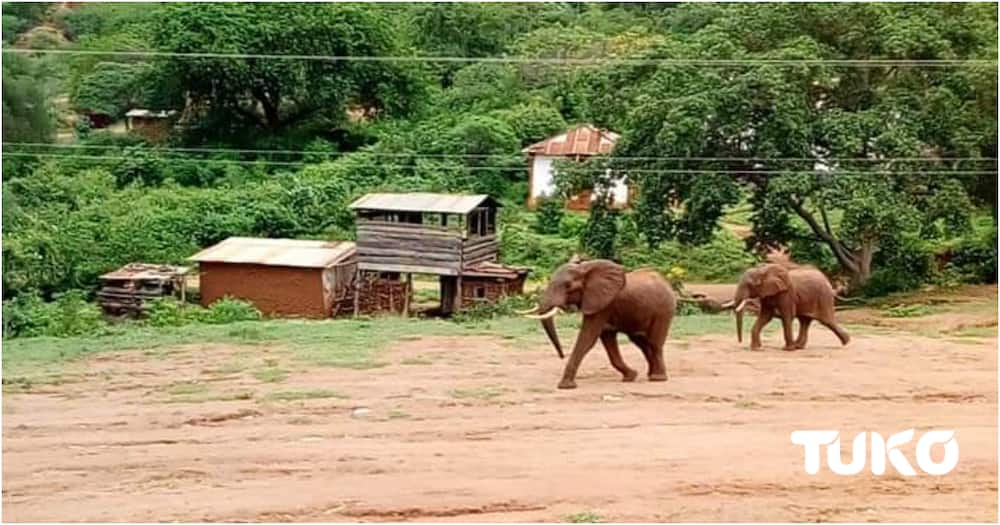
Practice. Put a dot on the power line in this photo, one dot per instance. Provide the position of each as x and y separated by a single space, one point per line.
521 60
524 168
377 154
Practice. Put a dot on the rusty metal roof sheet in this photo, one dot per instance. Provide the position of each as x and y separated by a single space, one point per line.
581 140
492 269
422 202
277 252
145 272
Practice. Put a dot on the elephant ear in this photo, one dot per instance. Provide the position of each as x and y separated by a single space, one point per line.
602 280
774 281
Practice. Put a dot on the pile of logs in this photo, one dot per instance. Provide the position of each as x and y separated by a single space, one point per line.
377 295
130 289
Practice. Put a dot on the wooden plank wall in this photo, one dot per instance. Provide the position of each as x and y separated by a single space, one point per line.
479 249
418 248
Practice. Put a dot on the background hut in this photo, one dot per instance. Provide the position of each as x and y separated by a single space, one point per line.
281 277
490 282
130 289
576 144
427 233
155 126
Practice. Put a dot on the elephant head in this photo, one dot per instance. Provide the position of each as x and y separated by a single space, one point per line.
589 286
758 283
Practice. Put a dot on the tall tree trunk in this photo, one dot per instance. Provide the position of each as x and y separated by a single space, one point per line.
269 103
857 264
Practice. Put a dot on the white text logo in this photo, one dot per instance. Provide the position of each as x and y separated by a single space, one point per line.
882 451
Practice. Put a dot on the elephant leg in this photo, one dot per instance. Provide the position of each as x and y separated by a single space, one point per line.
585 340
764 317
657 365
641 343
787 319
610 342
836 329
804 323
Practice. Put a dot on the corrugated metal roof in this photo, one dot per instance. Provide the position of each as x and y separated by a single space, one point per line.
581 140
149 113
421 202
146 272
492 269
277 252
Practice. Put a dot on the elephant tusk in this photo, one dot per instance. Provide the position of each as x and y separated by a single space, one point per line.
739 307
727 305
547 315
528 311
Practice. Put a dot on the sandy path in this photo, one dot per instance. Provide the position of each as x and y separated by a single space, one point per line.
472 429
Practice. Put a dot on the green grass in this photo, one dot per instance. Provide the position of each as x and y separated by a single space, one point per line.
584 517
271 375
486 392
907 310
975 331
416 361
187 388
346 343
299 395
397 413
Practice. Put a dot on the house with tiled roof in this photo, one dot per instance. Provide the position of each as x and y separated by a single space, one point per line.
577 144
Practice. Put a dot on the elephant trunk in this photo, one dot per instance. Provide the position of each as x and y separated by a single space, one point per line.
739 326
737 304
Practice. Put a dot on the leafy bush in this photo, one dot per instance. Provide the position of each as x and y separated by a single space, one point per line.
599 237
573 225
139 165
489 310
902 264
70 314
975 260
549 216
542 253
167 311
229 310
723 259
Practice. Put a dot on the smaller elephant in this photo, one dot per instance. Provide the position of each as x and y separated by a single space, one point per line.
640 304
790 292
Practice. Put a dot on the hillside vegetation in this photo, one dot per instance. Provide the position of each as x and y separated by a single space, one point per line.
723 155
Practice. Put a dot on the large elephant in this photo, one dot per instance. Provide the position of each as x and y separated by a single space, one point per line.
640 304
791 292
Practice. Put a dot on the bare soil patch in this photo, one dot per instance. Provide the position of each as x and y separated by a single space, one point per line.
473 429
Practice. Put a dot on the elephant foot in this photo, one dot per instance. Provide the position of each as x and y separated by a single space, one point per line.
845 340
756 348
799 346
567 384
629 376
791 348
657 377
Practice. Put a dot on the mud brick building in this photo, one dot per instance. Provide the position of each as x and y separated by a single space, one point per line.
281 277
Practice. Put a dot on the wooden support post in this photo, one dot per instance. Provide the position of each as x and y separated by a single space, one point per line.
458 294
406 297
357 290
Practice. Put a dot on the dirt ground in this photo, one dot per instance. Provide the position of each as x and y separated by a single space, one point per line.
473 429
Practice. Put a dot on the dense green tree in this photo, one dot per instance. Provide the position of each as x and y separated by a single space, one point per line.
27 106
21 16
276 94
845 125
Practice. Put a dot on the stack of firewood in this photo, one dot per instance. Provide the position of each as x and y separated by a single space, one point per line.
377 295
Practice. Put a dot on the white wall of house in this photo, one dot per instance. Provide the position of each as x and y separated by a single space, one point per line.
543 181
